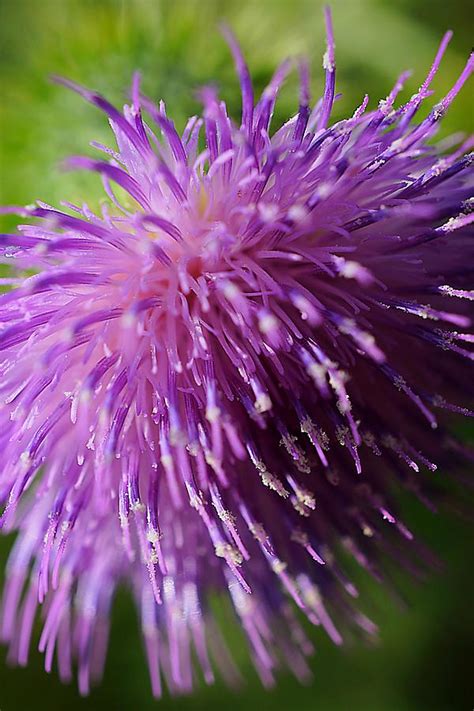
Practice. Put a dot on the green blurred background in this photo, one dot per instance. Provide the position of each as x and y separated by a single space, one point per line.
426 651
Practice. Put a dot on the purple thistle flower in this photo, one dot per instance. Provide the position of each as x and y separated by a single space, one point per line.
215 385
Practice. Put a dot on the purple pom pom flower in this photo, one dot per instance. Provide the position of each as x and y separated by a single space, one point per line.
221 381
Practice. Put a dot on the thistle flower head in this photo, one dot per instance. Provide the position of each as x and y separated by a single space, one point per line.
223 378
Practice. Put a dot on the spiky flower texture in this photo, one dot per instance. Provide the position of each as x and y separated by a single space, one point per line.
219 382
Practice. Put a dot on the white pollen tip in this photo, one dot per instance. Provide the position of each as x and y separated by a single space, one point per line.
263 403
267 323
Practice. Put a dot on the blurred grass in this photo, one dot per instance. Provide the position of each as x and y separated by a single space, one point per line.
423 661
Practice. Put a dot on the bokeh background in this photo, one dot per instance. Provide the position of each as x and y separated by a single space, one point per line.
423 661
